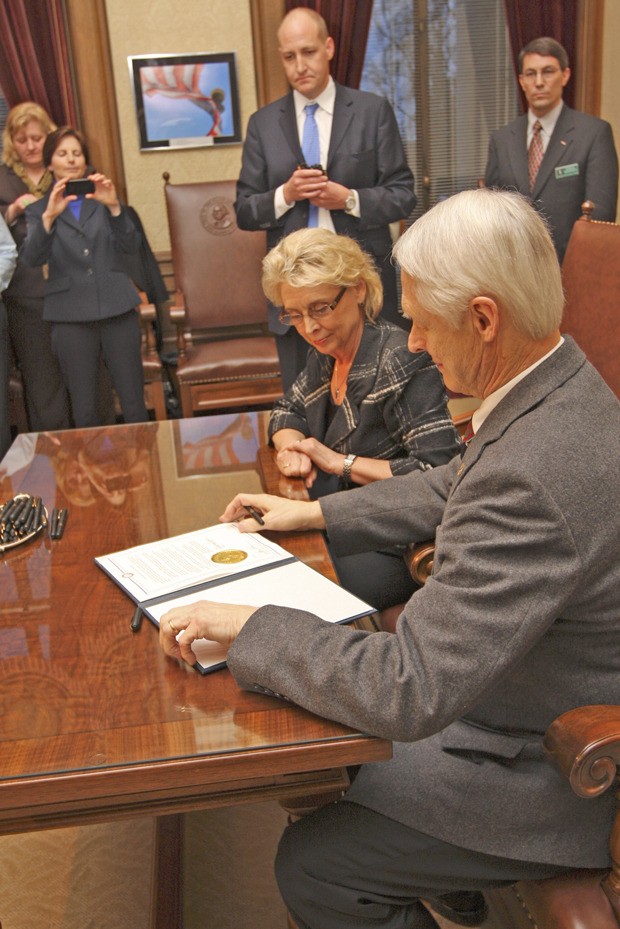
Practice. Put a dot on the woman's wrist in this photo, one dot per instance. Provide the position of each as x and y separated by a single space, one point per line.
347 464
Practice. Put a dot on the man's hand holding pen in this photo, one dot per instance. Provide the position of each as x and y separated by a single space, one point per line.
277 513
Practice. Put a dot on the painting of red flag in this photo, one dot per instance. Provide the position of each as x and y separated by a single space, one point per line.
186 101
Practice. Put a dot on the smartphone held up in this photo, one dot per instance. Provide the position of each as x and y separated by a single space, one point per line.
79 187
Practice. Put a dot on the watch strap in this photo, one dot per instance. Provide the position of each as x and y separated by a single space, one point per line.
346 467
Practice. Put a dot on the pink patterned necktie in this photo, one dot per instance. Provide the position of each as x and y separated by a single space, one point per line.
535 153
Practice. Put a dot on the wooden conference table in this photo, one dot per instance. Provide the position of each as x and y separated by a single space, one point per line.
95 723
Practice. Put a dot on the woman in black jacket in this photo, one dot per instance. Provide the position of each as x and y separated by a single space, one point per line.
89 299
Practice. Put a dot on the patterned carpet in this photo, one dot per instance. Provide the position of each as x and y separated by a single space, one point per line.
100 877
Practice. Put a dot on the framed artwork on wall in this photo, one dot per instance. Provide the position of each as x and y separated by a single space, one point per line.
186 101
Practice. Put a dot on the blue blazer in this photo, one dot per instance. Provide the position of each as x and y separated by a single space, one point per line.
85 279
580 164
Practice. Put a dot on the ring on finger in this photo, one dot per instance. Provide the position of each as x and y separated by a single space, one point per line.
173 627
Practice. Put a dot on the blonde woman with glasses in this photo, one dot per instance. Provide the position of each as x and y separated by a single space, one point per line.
364 407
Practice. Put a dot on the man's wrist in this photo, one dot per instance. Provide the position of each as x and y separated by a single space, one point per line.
350 202
316 519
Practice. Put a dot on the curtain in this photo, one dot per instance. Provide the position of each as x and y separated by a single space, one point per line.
34 64
530 19
348 22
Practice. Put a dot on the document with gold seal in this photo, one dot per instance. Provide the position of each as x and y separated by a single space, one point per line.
157 569
222 564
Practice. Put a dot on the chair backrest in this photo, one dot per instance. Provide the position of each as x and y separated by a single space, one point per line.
591 278
217 266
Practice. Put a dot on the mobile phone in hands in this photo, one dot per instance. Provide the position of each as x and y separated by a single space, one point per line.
79 187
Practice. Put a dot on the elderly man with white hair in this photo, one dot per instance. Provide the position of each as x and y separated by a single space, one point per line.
518 623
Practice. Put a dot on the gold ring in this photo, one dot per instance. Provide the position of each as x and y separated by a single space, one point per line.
173 627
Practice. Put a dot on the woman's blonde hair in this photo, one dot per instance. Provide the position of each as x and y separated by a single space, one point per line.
310 257
18 117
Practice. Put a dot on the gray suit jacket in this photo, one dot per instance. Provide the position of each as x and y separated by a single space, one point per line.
365 153
519 622
86 271
580 164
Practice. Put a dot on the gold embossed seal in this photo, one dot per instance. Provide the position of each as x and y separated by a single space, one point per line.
229 556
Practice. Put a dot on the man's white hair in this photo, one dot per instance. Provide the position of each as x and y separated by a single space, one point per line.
485 243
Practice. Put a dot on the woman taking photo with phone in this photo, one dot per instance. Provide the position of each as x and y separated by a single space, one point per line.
23 180
89 299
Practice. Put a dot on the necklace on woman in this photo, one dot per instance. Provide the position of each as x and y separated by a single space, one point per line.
336 383
339 384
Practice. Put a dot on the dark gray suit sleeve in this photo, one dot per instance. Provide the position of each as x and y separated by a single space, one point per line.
601 183
373 517
491 172
254 205
391 196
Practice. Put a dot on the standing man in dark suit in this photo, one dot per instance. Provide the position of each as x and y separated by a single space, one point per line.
366 183
554 155
517 624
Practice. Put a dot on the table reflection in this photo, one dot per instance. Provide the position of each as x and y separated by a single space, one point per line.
79 690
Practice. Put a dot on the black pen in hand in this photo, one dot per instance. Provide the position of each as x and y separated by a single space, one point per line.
254 514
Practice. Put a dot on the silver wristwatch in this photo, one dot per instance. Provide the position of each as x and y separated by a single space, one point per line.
346 467
349 203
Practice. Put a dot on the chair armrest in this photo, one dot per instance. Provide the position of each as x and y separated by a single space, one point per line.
419 560
178 315
148 315
585 745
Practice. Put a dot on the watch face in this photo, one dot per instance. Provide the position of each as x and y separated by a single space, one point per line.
349 203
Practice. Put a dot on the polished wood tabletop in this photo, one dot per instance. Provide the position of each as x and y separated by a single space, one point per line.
95 722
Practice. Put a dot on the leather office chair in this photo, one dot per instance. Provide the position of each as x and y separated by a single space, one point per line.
227 359
591 278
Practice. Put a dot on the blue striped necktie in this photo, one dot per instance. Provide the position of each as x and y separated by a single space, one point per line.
312 152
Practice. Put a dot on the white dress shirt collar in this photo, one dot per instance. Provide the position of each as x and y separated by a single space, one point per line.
489 403
548 122
325 100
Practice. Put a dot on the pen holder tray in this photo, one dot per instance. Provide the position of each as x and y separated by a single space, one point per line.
13 532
